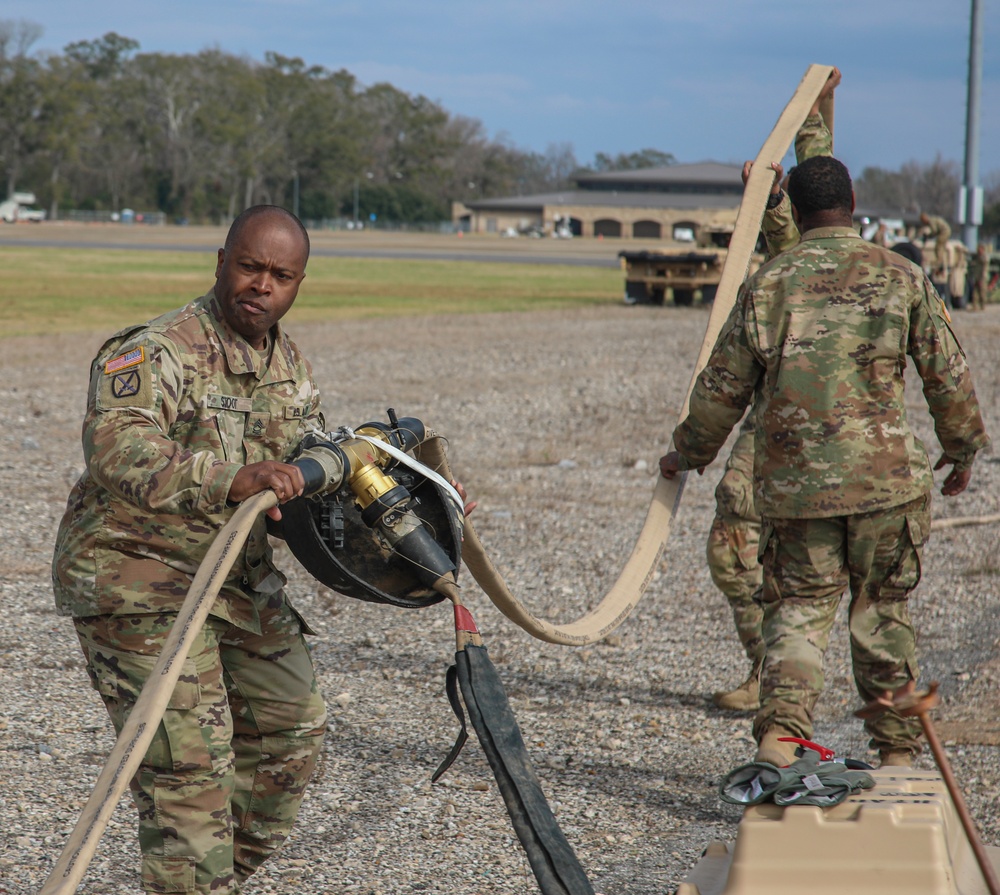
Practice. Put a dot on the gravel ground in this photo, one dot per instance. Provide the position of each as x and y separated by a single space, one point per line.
555 423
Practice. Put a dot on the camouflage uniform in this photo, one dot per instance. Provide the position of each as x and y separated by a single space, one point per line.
941 231
735 534
732 544
980 275
175 408
818 340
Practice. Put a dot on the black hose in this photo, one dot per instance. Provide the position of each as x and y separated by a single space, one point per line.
550 855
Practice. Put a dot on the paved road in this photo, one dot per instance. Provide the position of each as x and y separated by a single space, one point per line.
342 244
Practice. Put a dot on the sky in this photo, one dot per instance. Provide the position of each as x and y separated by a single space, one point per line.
701 80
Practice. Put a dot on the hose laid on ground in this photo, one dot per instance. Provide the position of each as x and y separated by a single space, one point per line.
474 680
621 599
140 726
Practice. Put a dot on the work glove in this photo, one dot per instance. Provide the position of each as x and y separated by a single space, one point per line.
751 784
822 783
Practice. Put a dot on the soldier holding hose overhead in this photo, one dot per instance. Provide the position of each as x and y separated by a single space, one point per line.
187 416
818 340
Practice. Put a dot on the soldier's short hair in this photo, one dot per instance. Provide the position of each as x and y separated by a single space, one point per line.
244 217
820 183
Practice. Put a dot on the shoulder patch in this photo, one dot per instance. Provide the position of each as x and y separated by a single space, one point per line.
944 309
127 381
129 359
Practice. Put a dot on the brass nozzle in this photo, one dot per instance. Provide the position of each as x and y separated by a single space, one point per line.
367 480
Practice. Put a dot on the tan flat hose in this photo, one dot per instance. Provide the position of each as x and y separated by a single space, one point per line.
146 714
623 596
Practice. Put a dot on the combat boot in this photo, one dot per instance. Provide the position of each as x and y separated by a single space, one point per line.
895 758
773 751
745 698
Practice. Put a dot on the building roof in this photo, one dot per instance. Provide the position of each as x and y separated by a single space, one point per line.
702 185
597 198
689 178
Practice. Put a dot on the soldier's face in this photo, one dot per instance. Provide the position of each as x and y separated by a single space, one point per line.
258 279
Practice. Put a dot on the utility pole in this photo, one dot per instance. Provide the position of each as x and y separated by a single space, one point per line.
970 200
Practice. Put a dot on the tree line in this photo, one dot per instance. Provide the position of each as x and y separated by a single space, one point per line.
104 126
200 137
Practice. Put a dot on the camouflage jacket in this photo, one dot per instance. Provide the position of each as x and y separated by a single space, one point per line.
175 408
734 493
780 233
819 338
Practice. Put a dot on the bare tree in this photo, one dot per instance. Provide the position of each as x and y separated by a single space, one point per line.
20 97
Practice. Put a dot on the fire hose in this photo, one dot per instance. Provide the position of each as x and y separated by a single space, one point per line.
620 601
386 506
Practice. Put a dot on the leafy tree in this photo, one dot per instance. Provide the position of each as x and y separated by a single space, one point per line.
633 161
202 136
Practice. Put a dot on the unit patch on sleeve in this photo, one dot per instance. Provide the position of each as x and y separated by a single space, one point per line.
127 381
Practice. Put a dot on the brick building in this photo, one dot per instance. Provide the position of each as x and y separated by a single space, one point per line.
651 203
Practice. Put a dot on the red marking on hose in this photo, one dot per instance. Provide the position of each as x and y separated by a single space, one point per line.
464 620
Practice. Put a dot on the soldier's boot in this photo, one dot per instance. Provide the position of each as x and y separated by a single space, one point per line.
746 697
771 750
895 758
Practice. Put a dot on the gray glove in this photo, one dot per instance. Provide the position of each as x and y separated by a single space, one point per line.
751 784
822 783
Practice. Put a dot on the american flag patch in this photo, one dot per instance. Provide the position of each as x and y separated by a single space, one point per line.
123 361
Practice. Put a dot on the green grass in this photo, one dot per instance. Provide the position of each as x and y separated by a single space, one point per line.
74 290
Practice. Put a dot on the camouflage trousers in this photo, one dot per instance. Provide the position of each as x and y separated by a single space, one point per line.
979 289
732 559
808 563
220 786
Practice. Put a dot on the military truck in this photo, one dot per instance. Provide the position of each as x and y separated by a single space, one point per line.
681 273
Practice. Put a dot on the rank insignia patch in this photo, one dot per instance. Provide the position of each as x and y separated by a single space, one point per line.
129 359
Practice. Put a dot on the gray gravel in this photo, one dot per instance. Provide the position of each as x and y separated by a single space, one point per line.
555 422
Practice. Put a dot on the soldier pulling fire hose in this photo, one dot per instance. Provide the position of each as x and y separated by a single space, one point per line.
418 525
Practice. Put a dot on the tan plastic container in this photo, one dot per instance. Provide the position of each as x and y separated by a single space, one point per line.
903 837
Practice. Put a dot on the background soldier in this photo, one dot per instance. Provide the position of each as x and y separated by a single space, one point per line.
980 276
939 229
734 538
732 560
816 339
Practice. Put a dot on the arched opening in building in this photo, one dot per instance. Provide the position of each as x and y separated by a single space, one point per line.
684 231
567 226
608 227
647 230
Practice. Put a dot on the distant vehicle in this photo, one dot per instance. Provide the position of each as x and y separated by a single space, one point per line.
16 209
681 272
